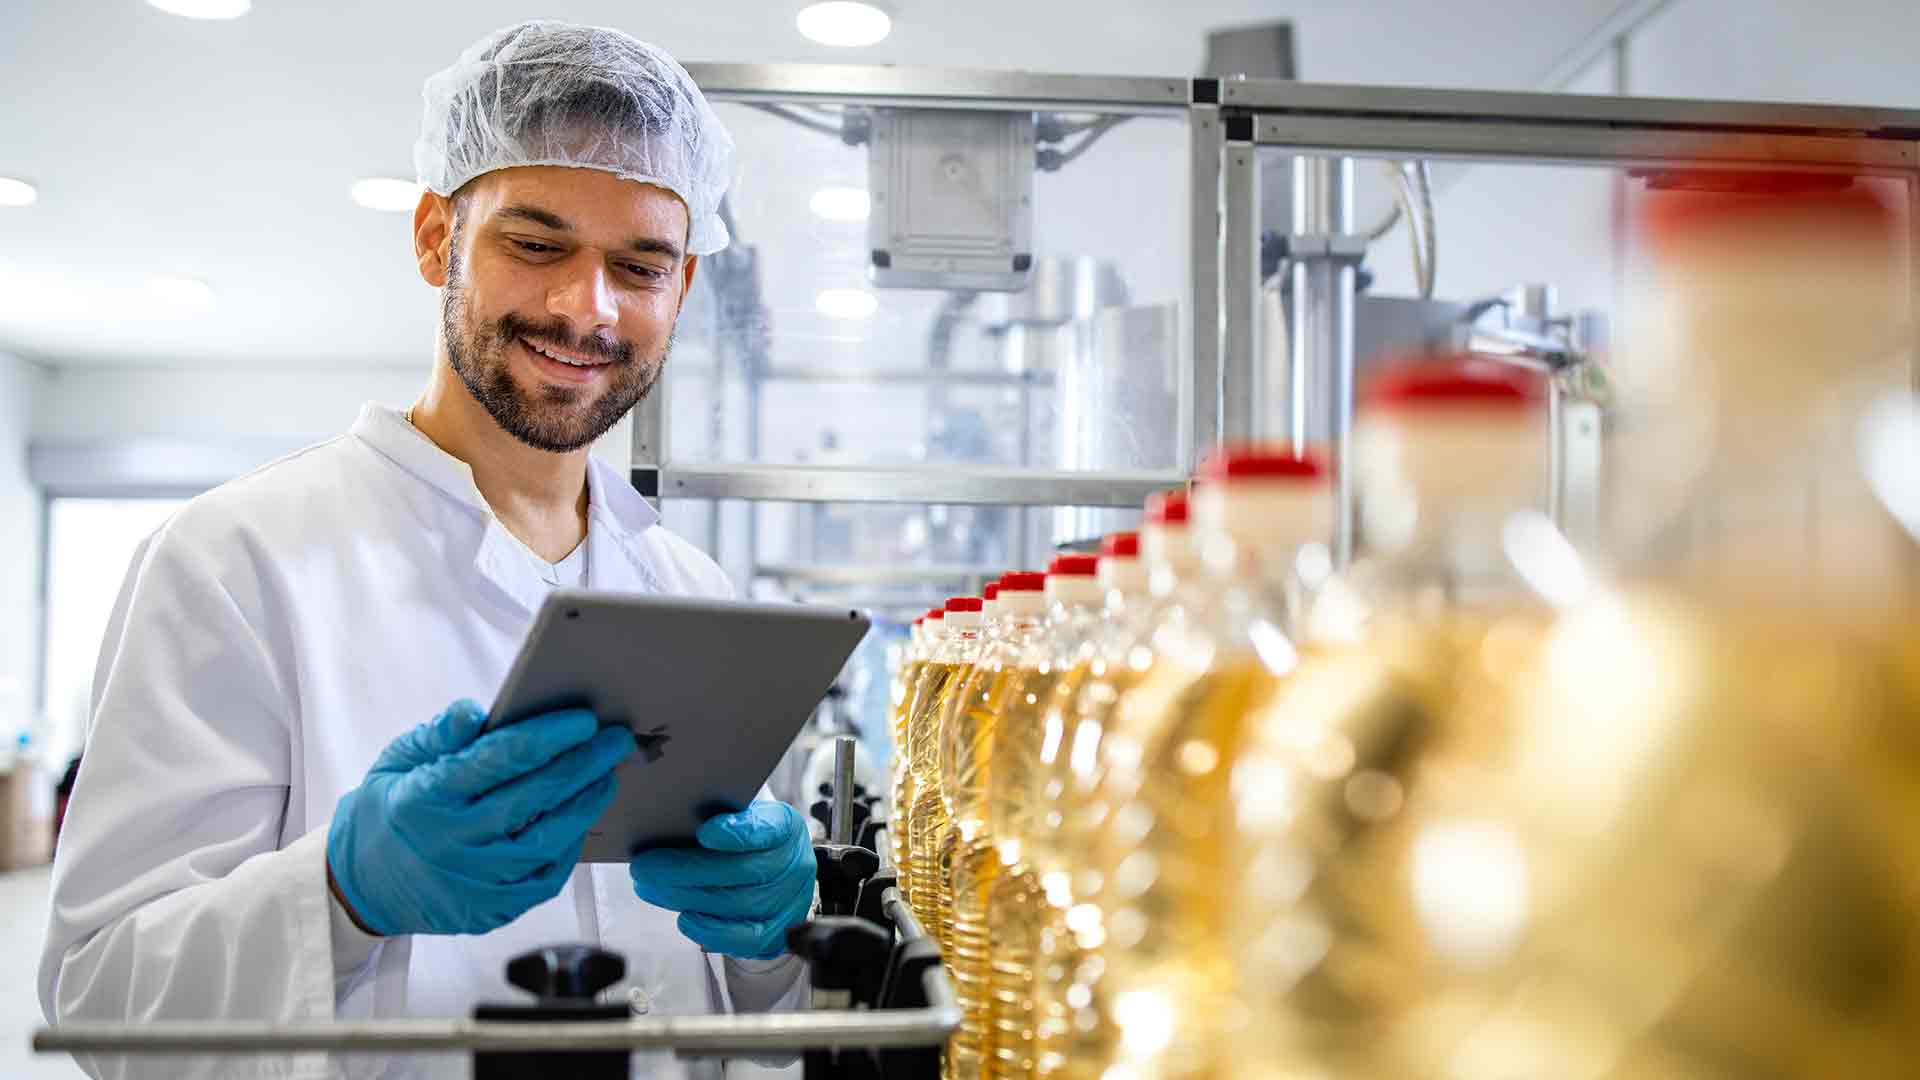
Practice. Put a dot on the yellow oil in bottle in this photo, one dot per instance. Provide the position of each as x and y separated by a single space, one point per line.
1072 1035
970 744
900 793
1166 862
1667 839
926 821
1324 932
1014 901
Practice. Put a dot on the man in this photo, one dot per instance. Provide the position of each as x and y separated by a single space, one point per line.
256 833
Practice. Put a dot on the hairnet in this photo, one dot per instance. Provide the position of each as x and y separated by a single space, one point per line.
553 93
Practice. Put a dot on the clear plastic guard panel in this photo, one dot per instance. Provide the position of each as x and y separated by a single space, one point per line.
787 354
895 558
1500 227
1527 251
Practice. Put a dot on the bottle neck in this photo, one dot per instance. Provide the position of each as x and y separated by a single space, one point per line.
1167 552
1123 583
1439 488
1254 532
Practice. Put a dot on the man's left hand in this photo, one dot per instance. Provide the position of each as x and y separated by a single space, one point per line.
750 879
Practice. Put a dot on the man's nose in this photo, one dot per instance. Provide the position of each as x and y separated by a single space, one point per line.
585 298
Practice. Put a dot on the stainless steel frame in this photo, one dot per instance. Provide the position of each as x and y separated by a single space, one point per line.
687 1036
1223 339
934 484
658 474
935 88
1546 129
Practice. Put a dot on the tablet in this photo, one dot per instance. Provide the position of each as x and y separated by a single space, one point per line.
715 691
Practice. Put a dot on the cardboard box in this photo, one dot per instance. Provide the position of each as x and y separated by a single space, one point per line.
26 816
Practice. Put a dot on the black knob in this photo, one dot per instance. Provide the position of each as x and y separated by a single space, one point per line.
575 972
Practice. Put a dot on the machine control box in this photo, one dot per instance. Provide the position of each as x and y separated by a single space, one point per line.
952 199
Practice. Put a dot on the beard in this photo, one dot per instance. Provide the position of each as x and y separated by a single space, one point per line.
553 417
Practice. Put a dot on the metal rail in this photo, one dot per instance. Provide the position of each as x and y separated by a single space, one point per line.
688 1036
933 88
951 485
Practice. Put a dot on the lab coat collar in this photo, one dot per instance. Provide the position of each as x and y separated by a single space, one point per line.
617 515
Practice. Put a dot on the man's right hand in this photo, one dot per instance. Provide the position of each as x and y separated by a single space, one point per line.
456 832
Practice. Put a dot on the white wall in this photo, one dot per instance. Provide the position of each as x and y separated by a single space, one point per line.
21 391
1836 52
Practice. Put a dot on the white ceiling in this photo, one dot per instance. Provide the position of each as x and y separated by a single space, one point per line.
224 150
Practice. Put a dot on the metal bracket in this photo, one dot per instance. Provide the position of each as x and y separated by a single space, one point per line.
1318 246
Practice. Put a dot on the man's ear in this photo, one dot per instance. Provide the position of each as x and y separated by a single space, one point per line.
686 284
433 237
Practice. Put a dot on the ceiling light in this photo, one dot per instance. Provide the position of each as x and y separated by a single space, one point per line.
176 293
16 192
844 24
386 193
204 9
846 303
841 204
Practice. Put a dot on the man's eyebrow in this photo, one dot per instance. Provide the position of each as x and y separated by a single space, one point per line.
537 215
647 245
644 245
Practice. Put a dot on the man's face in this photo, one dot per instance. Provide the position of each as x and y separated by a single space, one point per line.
561 291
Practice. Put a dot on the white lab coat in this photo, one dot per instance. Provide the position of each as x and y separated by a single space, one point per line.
269 640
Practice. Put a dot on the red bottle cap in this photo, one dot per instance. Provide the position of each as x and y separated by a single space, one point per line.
992 591
1073 566
1023 581
936 613
1167 507
1260 461
1442 380
1123 545
958 604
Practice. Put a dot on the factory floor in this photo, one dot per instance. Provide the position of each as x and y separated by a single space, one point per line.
23 921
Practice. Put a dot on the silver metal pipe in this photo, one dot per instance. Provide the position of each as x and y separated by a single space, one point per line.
1320 386
688 1036
840 829
896 909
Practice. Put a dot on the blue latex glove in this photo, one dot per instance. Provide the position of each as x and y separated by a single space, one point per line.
455 832
749 880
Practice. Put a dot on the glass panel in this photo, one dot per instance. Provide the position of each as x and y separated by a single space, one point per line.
1521 250
780 360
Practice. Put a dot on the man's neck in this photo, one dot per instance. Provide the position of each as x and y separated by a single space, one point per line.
540 496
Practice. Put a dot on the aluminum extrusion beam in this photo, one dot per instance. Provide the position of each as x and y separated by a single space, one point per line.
957 485
1207 142
868 84
1471 139
1568 110
1242 405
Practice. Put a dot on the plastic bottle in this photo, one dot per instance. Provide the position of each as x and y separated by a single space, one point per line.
1073 1032
926 630
969 749
944 669
1163 854
1052 662
1323 927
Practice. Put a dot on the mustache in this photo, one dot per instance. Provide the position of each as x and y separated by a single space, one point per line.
555 332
